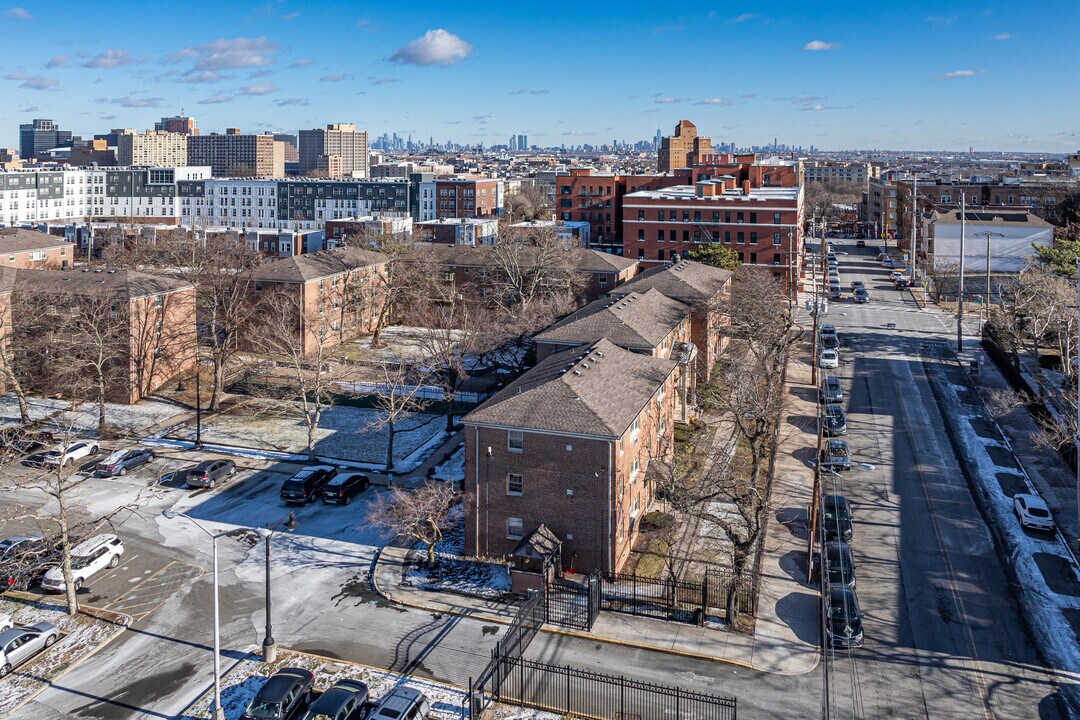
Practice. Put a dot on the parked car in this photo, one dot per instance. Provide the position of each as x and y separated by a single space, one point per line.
282 697
344 487
405 703
836 518
19 645
844 628
121 461
887 262
861 296
24 560
1032 512
902 282
344 700
828 359
15 442
6 622
827 329
834 420
896 274
62 456
861 242
207 473
882 255
830 342
855 285
87 559
835 456
831 390
839 566
306 485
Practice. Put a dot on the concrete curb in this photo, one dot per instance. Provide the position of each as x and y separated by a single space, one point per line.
553 631
122 621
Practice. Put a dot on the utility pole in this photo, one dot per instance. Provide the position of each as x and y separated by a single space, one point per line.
1076 432
914 210
815 311
960 289
987 303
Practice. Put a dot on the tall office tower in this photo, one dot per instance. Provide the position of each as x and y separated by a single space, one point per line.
41 136
341 139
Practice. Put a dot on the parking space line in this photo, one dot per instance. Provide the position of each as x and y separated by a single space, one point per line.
161 585
124 559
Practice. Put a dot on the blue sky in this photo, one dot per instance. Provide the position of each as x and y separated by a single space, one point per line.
906 75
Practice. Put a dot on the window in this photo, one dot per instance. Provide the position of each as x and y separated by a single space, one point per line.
727 237
640 214
641 234
776 218
659 236
660 215
515 440
753 238
686 216
640 254
776 238
514 485
515 528
753 217
739 238
727 216
738 217
697 216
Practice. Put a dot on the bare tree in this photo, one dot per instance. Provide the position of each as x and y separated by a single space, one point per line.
422 514
398 402
302 342
405 279
530 202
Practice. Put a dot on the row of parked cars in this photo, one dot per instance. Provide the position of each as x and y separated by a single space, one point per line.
26 560
287 695
834 563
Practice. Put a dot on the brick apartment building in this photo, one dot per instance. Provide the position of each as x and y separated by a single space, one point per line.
568 445
683 149
705 290
761 225
335 293
603 272
27 249
151 320
468 197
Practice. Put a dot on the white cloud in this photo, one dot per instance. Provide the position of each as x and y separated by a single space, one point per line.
333 77
956 74
28 108
131 102
714 101
109 59
820 45
745 17
57 61
666 100
215 100
260 89
18 13
290 16
206 76
229 53
436 47
817 107
32 82
291 101
1003 36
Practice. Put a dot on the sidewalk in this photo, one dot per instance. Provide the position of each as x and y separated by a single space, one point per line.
785 638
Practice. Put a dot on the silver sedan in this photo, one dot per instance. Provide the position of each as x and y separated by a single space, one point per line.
20 644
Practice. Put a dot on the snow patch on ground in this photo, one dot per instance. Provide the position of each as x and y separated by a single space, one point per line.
453 572
345 433
452 468
82 635
134 419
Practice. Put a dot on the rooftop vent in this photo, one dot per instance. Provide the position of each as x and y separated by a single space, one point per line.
577 372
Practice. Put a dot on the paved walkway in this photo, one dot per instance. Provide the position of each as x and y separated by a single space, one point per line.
785 637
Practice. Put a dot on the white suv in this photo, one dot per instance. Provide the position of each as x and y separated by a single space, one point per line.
87 559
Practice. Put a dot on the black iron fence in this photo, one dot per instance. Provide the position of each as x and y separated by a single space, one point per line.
573 605
669 598
577 692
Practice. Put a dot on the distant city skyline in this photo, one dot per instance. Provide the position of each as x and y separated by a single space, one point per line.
917 76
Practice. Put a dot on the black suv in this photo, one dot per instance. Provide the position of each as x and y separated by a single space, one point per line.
306 485
282 697
24 559
344 487
834 420
836 518
839 566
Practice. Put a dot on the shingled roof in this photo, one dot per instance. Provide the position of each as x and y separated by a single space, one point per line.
13 240
690 282
127 284
583 259
316 265
631 321
597 390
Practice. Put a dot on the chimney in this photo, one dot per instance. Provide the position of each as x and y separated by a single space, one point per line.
746 188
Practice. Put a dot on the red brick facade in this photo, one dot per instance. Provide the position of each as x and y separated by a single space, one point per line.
468 197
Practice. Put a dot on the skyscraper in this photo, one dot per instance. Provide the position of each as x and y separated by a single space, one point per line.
41 136
178 124
339 139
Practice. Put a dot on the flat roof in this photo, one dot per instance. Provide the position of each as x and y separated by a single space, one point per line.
688 192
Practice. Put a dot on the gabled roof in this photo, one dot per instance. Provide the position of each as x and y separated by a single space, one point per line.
597 390
13 240
127 284
634 320
686 281
583 259
316 265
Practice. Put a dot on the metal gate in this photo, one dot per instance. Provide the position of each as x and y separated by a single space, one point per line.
571 604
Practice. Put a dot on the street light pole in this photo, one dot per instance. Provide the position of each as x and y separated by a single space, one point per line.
198 406
1076 434
218 712
960 289
269 645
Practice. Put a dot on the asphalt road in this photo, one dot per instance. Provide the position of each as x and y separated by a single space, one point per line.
943 635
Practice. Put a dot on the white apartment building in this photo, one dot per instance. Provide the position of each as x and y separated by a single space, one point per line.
152 149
